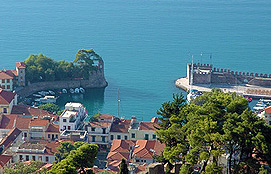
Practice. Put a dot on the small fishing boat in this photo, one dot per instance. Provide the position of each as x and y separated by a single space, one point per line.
64 91
52 92
72 90
37 95
48 99
82 90
76 90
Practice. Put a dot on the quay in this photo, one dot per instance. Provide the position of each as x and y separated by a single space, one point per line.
204 77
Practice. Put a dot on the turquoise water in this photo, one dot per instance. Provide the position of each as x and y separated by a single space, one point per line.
145 43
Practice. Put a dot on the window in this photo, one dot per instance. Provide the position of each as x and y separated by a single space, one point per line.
8 80
133 135
125 137
118 136
40 158
64 120
34 158
103 139
64 127
153 136
25 134
53 136
47 159
21 71
21 157
56 136
21 77
146 136
26 157
112 137
49 135
93 129
5 110
93 138
269 122
137 160
3 80
8 86
104 130
4 87
69 127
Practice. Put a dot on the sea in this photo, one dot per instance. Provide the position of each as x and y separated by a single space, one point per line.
145 44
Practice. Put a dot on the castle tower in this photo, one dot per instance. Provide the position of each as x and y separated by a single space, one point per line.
20 68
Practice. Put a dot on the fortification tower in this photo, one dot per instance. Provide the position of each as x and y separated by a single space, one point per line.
20 68
202 73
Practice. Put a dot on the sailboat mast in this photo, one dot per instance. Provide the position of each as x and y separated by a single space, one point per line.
118 103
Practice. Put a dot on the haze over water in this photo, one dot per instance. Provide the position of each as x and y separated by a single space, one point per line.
145 43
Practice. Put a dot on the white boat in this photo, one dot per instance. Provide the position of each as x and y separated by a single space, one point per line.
52 92
48 99
37 95
76 90
64 91
72 90
82 90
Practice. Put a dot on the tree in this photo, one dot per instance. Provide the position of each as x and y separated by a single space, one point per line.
212 126
123 167
21 168
51 107
77 156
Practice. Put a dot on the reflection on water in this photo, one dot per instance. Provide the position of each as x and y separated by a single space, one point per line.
92 99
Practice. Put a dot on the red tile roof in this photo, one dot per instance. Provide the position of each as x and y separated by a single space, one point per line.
20 65
99 124
145 125
5 75
10 137
267 110
105 117
11 121
121 145
39 122
53 128
4 159
120 126
6 97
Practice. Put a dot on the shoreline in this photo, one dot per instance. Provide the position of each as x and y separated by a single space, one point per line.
243 89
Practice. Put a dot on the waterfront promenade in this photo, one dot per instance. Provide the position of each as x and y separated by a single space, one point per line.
246 90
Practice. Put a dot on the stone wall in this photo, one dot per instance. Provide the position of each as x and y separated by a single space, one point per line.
96 80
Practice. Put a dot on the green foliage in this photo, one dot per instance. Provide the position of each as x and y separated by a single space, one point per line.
51 107
73 157
21 168
123 167
41 68
213 124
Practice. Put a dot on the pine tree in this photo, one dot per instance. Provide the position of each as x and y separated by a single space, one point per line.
123 167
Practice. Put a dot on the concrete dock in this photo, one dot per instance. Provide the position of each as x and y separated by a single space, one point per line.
245 89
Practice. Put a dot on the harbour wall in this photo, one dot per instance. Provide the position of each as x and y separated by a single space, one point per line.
96 80
206 74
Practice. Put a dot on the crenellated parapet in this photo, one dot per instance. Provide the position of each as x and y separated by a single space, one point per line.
207 74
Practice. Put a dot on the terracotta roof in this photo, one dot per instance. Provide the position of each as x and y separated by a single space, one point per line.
141 168
120 126
105 117
5 75
121 145
20 65
10 137
53 128
6 97
144 148
267 110
4 159
114 165
145 125
47 166
99 124
10 121
39 122
27 110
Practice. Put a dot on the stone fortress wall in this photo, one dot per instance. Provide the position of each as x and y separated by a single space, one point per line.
207 74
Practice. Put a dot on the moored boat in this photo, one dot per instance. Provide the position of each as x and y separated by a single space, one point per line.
76 90
72 90
82 90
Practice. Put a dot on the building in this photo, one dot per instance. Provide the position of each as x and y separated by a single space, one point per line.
72 117
133 129
37 128
5 161
52 132
8 99
36 151
137 153
267 115
10 79
74 135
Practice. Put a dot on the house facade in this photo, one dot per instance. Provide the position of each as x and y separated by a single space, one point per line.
8 99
